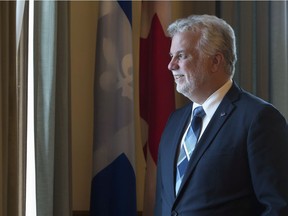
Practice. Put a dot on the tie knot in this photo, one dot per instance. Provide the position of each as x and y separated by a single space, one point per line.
199 112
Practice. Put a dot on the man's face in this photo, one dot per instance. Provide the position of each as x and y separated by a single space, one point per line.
188 66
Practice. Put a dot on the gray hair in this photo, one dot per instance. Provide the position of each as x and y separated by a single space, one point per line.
216 36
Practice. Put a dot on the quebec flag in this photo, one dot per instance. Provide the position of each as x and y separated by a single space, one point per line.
113 190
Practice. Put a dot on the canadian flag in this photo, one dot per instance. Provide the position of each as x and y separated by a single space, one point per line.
157 99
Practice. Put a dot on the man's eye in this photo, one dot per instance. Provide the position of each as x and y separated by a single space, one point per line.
181 56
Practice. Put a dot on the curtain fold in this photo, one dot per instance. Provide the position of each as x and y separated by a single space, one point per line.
250 21
279 55
21 76
11 151
262 42
52 108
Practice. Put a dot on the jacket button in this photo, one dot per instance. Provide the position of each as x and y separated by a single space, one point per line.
174 213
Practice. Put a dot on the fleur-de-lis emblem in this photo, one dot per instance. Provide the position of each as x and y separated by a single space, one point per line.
116 77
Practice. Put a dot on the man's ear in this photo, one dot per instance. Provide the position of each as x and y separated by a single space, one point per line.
217 61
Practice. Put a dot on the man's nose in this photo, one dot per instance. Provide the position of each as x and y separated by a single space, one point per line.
173 64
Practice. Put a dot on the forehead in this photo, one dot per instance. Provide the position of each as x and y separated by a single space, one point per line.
184 41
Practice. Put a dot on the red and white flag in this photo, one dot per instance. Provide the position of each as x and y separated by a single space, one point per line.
157 99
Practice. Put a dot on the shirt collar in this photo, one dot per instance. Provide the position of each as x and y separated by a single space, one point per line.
212 103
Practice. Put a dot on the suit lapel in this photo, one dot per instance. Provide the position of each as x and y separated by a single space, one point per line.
222 113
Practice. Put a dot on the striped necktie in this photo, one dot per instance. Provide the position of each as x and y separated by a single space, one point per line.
188 145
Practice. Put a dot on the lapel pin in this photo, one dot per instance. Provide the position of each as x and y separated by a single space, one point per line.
222 114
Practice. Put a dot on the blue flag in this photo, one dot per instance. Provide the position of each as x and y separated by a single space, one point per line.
113 190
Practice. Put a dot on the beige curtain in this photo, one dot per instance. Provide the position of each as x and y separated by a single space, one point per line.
11 122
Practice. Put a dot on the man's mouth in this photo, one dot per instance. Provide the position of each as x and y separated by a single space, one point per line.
178 76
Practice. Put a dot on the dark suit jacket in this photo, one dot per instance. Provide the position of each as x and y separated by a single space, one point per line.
239 166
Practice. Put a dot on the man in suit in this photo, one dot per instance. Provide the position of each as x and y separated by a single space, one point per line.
238 165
